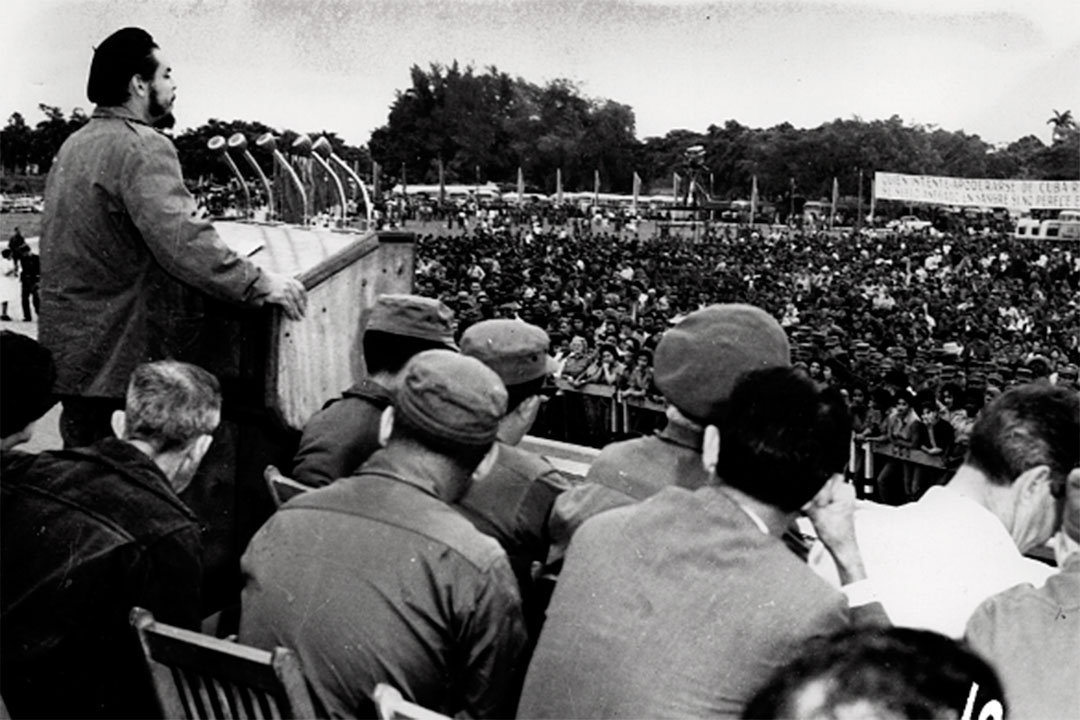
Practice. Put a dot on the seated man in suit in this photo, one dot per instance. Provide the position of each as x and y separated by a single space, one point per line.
377 578
90 532
679 605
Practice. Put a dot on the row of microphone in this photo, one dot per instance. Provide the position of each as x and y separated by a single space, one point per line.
320 151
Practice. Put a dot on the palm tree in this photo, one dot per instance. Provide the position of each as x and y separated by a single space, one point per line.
1062 122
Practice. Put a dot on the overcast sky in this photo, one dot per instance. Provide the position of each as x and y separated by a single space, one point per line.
996 68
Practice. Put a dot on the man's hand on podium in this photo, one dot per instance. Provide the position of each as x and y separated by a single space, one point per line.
289 293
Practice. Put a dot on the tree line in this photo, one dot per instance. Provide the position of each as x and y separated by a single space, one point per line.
482 125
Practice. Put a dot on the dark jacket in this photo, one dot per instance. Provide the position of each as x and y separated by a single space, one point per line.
340 437
122 253
375 579
87 534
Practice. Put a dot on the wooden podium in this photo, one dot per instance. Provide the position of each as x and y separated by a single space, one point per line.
309 361
275 373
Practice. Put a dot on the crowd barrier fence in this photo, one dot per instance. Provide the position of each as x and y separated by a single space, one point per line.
591 415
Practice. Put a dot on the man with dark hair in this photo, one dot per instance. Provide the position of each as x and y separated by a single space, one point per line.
695 367
1030 633
935 560
126 262
677 606
512 503
376 578
25 395
87 534
882 673
341 436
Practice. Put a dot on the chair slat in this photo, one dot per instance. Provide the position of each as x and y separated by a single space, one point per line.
197 676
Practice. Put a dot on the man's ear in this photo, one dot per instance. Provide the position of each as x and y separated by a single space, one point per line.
200 447
119 423
137 86
386 425
486 464
710 449
1030 483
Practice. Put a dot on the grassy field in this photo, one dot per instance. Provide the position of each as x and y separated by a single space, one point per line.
29 225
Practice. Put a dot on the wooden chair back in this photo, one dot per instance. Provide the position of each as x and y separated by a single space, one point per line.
392 706
198 676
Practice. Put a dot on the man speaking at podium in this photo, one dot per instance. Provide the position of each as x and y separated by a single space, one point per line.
124 257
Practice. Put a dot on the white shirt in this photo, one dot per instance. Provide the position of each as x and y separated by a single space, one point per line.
934 561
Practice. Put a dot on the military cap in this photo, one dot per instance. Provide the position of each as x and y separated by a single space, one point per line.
413 316
515 350
698 361
451 398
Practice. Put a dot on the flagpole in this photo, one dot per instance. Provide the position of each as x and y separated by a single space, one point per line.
835 194
859 218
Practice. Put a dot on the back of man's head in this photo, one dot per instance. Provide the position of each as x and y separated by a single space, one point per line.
450 404
517 351
26 380
125 53
401 326
170 403
698 361
782 437
1030 425
880 673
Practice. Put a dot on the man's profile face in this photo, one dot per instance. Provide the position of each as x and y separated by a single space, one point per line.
162 90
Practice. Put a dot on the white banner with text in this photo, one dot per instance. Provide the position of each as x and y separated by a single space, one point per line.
978 192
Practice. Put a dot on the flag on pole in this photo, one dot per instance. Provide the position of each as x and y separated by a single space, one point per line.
753 199
873 200
521 186
442 184
637 190
675 187
858 209
375 178
835 197
596 187
558 185
404 185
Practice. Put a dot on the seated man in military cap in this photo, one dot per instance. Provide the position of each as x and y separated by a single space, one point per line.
341 436
376 578
695 367
513 502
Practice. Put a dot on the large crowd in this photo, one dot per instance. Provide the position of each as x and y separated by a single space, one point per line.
717 567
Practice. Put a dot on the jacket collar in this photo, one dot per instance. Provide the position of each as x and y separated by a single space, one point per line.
679 433
117 112
127 460
402 467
